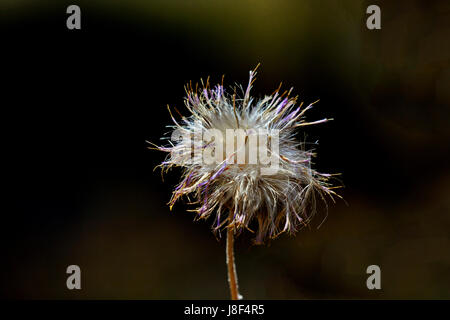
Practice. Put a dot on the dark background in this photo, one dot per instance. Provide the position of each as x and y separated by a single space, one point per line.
79 187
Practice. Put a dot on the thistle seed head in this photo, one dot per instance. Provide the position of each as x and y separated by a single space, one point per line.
238 187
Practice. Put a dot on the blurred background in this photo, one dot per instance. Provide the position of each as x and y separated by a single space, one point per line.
78 105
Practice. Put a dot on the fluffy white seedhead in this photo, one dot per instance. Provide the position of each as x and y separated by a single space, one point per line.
280 195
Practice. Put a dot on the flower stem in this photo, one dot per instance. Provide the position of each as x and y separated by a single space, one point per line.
232 276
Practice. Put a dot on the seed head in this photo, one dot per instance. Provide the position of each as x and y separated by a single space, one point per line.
235 189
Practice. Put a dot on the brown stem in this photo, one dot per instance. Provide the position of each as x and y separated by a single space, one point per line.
232 276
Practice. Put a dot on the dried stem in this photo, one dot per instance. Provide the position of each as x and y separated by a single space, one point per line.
232 276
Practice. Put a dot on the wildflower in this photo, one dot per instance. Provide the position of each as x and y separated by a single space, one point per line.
237 193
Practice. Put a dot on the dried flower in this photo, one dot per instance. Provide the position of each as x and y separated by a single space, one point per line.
237 193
